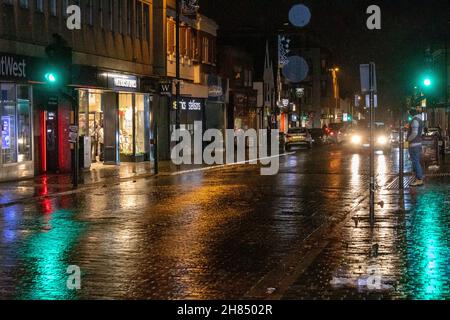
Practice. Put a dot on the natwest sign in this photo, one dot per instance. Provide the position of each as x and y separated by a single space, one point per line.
12 67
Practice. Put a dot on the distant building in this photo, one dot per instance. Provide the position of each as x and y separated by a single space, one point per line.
112 69
237 65
439 114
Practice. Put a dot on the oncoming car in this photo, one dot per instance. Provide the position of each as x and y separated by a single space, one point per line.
360 138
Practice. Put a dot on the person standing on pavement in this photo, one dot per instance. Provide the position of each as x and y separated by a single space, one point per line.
101 140
415 146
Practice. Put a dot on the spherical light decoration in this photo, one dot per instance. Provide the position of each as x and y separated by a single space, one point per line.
296 70
299 15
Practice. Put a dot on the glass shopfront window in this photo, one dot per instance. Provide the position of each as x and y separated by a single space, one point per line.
140 124
24 141
15 113
131 136
126 140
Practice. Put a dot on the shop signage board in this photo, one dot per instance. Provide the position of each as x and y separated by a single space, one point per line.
20 68
122 82
217 88
189 104
165 88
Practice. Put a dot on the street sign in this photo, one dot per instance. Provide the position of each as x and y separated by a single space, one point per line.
73 134
165 88
368 77
375 101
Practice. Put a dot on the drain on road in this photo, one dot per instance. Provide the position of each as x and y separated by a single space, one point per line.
394 185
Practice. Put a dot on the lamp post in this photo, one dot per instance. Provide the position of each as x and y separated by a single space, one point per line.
334 72
177 55
187 7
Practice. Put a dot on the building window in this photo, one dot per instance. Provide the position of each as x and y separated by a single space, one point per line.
205 50
90 12
111 15
138 14
170 37
24 138
139 118
65 4
146 20
15 117
100 13
120 17
126 140
129 9
40 5
183 44
8 123
24 4
52 5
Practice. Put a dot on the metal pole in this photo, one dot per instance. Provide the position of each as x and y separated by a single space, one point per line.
401 152
76 172
155 148
177 53
372 148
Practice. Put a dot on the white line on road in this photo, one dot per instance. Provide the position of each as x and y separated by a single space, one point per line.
229 164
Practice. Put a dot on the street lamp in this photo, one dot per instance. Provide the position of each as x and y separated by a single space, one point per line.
334 72
187 7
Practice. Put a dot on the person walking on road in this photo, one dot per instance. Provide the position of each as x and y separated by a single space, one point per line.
415 146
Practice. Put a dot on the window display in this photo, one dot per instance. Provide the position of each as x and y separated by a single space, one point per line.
24 141
126 124
140 123
8 123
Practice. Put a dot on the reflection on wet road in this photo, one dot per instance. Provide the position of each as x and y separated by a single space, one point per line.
212 234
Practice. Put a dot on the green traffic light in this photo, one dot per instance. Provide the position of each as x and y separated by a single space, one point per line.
51 77
427 82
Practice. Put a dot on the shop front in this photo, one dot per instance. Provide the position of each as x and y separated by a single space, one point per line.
192 111
114 122
215 105
16 116
243 111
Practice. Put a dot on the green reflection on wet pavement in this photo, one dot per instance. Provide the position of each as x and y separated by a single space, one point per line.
47 256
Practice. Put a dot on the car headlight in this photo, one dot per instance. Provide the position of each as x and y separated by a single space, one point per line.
382 140
356 139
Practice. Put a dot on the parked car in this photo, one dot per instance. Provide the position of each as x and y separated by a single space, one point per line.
298 137
318 136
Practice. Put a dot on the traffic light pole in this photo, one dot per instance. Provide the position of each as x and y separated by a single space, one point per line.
177 53
76 158
401 165
372 147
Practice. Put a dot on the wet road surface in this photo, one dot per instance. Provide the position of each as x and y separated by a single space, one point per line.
216 234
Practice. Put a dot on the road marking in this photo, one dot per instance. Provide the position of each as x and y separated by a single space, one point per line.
225 165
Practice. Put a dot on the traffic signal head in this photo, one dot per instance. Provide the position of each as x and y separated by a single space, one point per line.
51 77
427 82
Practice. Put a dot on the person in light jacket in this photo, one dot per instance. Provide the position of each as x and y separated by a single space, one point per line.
415 145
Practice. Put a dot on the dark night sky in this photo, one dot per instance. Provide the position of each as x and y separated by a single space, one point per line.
408 27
